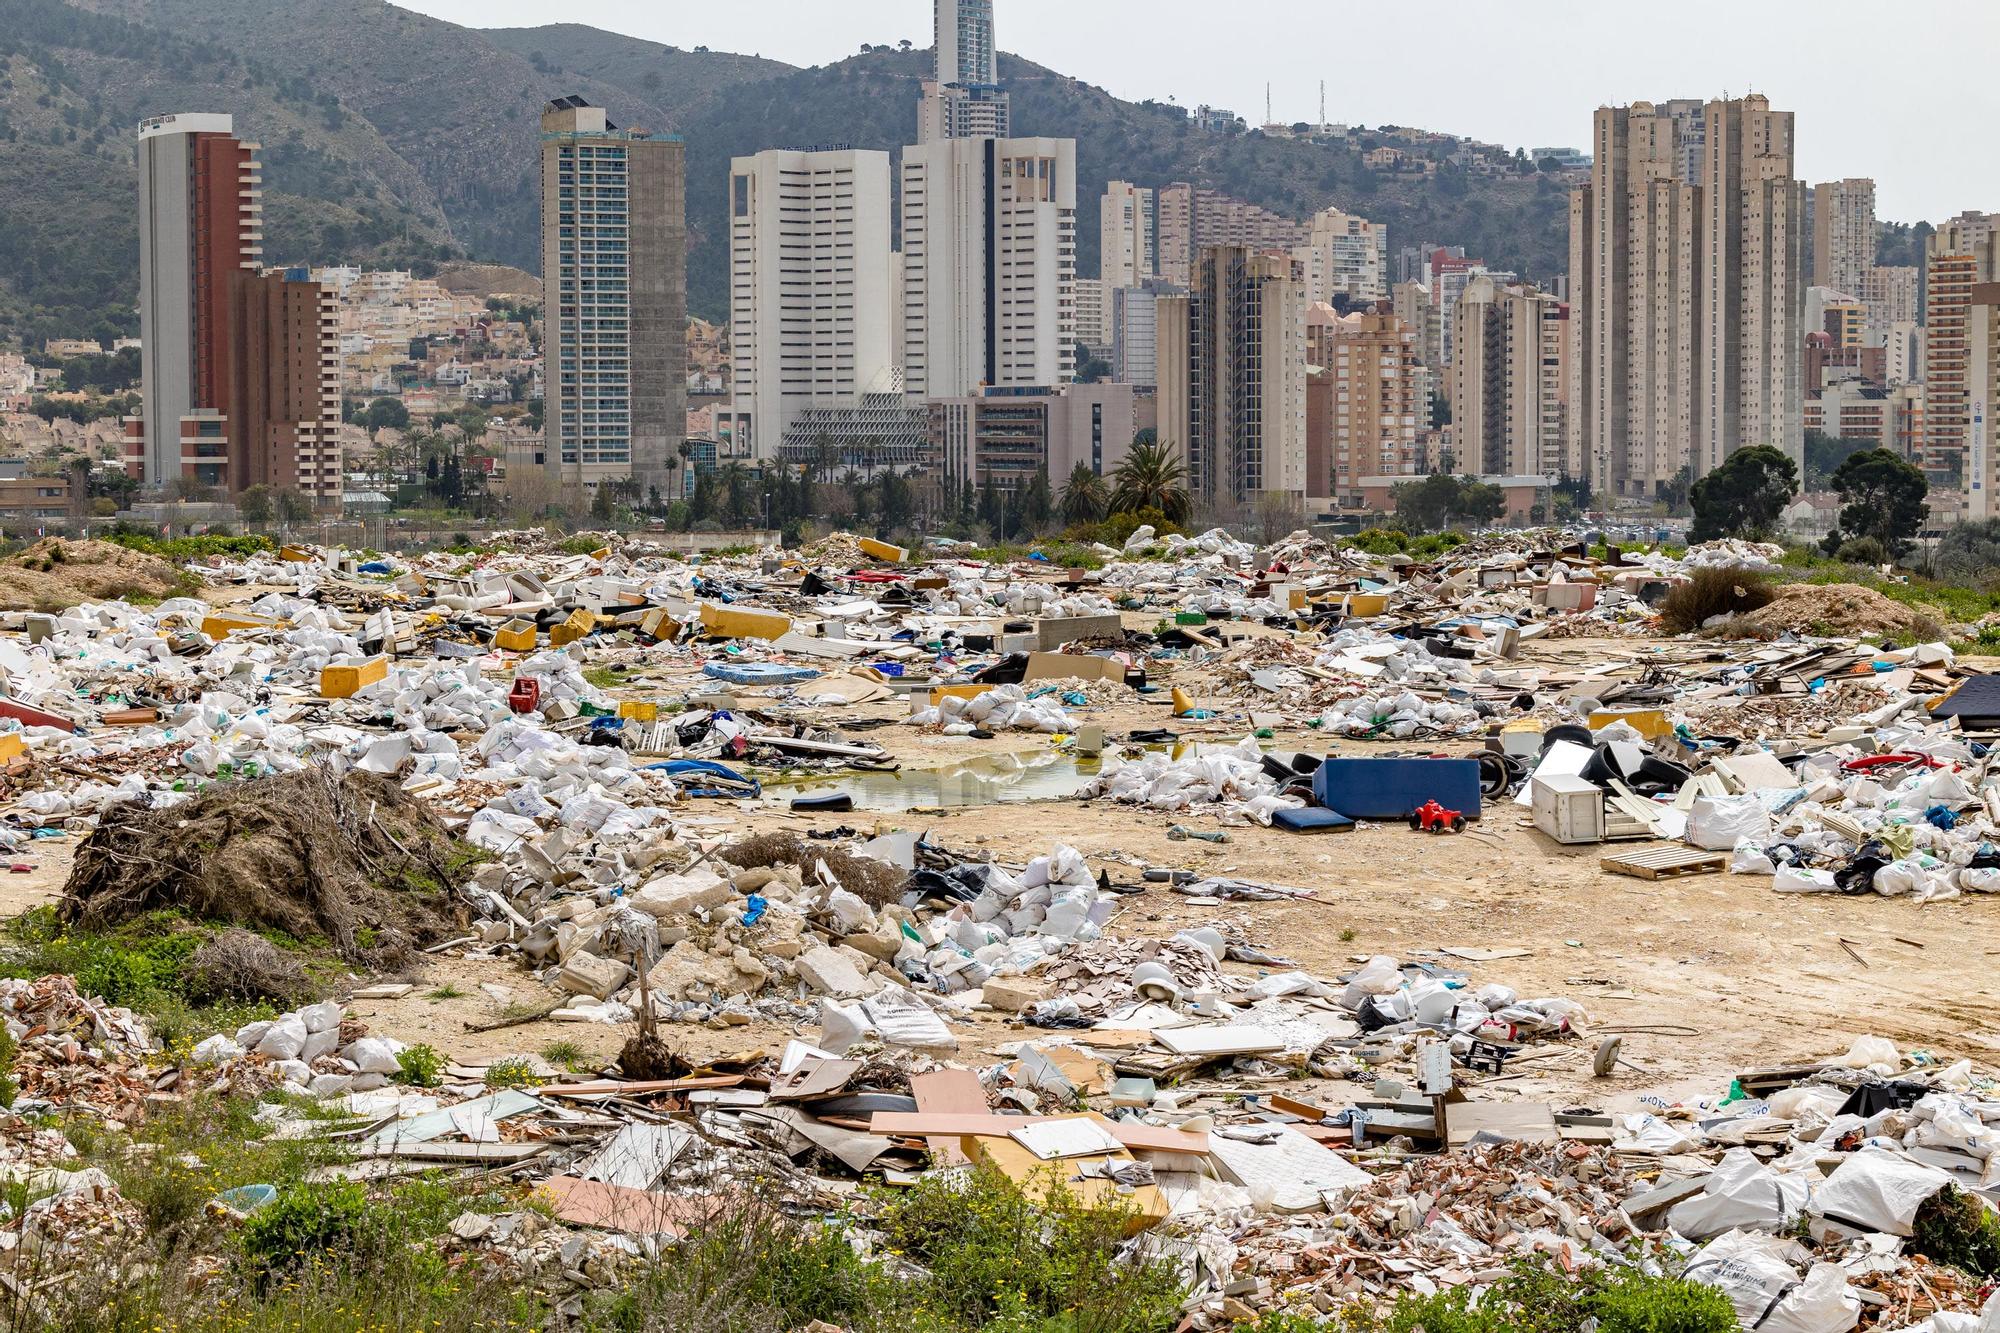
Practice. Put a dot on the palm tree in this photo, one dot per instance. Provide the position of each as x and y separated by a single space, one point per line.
1150 477
1084 496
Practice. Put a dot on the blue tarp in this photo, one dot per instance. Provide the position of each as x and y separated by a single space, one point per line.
758 673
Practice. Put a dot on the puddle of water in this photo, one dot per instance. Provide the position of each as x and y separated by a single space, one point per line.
983 780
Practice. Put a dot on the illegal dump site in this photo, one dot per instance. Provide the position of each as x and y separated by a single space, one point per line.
864 938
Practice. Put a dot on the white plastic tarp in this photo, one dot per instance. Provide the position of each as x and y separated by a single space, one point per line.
1877 1190
1741 1193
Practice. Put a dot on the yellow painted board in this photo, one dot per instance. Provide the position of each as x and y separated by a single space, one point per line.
296 554
12 747
222 626
728 622
939 693
1648 722
883 550
659 623
516 636
343 680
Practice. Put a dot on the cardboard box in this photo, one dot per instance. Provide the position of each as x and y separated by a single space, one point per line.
516 636
1053 632
1079 666
659 623
344 680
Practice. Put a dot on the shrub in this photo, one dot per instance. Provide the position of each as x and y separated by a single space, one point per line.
1713 592
419 1066
513 1072
994 1255
1863 551
243 965
1955 1228
305 1220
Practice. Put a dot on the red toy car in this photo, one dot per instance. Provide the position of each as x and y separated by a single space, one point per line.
1434 818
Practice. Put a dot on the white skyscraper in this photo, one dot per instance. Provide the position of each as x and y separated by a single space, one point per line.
965 50
965 100
810 296
989 264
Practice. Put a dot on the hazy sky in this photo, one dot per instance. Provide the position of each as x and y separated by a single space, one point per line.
1902 92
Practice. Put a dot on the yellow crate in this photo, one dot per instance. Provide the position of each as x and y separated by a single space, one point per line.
638 710
579 624
727 622
345 679
659 623
516 636
1366 603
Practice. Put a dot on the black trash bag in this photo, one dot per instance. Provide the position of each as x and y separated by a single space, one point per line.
1871 1099
1009 670
1858 875
1374 1015
960 884
812 585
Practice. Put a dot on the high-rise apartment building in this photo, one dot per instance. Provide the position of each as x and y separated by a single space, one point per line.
1843 247
1345 255
1232 372
1125 235
1368 404
810 300
965 100
1960 255
240 365
1977 389
1687 291
1093 316
1135 333
965 49
1509 390
614 273
1192 219
989 264
1890 294
1412 304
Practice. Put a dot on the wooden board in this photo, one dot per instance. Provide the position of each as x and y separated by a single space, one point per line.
1665 862
948 1092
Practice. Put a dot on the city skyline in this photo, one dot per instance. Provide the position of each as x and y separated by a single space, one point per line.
1601 56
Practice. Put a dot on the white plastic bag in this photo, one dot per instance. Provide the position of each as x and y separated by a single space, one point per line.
1877 1191
1749 858
1740 1193
1718 823
1792 879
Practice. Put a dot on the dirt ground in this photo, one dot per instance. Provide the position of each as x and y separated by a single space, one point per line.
1759 978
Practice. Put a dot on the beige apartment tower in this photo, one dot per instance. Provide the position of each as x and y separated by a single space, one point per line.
1372 405
1345 255
1125 234
1232 372
1843 246
1687 292
1962 254
1509 388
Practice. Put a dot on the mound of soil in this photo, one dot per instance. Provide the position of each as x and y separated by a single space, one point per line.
1834 608
354 860
55 574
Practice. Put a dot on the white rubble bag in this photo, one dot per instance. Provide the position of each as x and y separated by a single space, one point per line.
1718 823
1766 1291
1876 1190
1741 1193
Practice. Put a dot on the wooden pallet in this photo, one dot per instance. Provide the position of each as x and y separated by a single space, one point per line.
1665 862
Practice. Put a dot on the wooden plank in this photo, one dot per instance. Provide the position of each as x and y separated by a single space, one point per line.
922 1124
591 1203
950 1092
639 1088
1665 862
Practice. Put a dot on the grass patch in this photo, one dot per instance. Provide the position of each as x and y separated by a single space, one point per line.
444 992
1534 1297
604 677
181 550
568 1055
